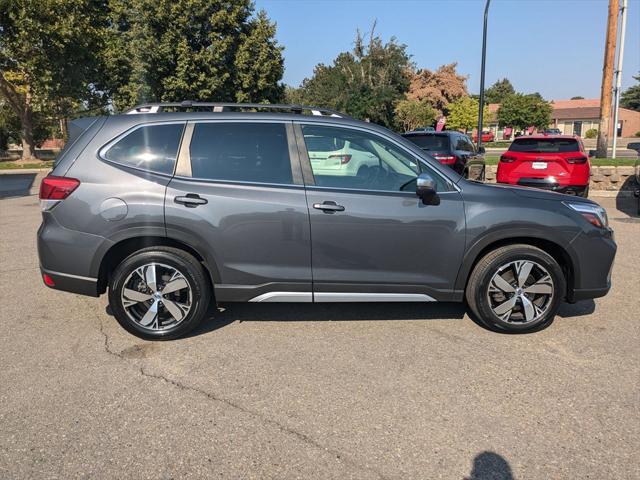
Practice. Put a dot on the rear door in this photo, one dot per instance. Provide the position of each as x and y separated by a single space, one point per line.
372 238
238 197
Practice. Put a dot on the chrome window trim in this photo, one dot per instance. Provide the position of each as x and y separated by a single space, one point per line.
183 163
447 181
105 148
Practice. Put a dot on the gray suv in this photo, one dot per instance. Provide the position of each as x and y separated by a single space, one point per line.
175 207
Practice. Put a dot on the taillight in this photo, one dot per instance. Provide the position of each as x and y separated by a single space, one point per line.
54 189
507 158
344 157
581 159
445 159
57 188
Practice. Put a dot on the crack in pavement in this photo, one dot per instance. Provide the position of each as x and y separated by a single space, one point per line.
210 396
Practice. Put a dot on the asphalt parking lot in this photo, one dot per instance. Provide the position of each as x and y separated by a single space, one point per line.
300 391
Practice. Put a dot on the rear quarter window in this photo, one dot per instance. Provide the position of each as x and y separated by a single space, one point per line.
545 145
149 147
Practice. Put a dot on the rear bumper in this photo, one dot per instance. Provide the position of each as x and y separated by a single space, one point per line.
551 184
72 283
66 257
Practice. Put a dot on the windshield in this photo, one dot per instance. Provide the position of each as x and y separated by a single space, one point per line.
430 142
545 145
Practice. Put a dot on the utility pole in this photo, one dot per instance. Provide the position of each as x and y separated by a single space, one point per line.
607 79
616 104
484 57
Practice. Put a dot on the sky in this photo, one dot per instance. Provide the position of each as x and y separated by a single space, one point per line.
554 47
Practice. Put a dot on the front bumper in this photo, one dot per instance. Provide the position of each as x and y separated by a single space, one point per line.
596 251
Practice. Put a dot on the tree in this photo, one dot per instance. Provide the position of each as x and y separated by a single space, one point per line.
630 98
497 92
414 113
577 98
173 50
48 54
522 111
463 114
365 83
440 88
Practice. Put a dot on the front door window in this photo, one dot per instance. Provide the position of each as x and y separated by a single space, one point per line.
353 159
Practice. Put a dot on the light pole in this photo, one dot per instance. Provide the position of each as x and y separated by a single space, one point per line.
618 72
484 57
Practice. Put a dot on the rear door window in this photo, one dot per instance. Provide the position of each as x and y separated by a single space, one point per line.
545 145
149 147
241 152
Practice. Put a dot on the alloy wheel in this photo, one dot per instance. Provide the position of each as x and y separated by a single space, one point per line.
520 292
156 296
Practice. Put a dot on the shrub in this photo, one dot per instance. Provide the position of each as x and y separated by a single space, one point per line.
591 133
637 134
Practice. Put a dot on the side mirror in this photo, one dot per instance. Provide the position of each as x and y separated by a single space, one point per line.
426 189
481 150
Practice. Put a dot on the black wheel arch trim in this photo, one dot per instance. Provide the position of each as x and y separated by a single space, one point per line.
530 236
152 236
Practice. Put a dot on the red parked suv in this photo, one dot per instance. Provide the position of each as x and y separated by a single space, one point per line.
552 162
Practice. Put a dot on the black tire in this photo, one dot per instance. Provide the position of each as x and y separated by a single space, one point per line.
198 290
585 193
478 293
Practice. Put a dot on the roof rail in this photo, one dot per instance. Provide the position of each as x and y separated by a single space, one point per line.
227 107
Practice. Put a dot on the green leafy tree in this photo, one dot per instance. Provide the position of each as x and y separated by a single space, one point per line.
365 83
497 92
49 53
463 114
414 113
172 50
630 98
522 111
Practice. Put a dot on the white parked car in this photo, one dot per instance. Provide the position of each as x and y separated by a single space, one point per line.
331 156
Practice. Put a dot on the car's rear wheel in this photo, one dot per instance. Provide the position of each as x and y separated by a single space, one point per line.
516 288
159 293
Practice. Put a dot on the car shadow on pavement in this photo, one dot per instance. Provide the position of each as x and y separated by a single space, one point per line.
16 184
490 466
340 312
578 309
625 202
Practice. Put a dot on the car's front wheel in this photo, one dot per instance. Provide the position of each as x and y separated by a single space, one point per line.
516 288
159 293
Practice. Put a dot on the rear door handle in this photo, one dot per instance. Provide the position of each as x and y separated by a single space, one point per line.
328 207
191 200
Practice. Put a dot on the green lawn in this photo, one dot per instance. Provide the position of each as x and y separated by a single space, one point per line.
11 165
596 162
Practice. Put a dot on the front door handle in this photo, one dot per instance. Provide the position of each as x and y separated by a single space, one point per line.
191 200
328 207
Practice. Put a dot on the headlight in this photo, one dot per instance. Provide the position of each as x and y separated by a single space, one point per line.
595 214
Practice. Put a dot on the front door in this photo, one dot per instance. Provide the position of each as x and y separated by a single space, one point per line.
239 199
372 238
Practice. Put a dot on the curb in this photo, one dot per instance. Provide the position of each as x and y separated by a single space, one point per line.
14 171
